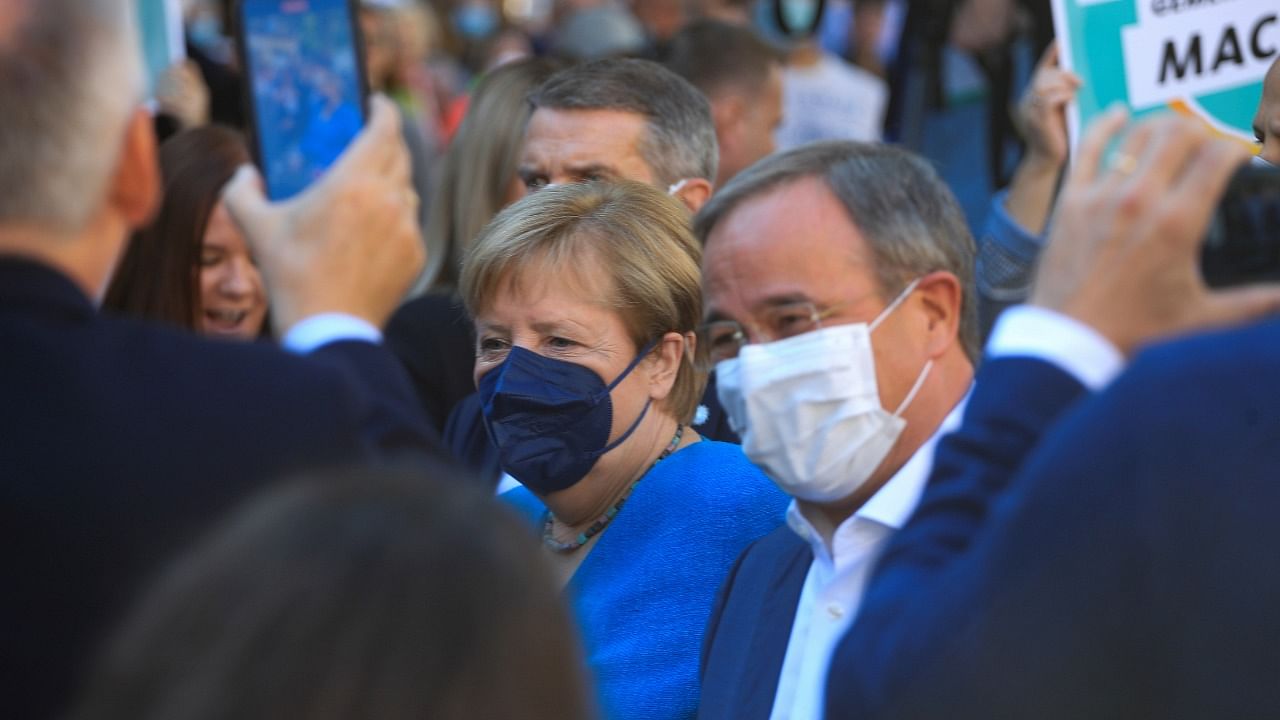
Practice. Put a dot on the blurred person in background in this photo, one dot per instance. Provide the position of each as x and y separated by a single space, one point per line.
122 438
191 267
431 334
601 31
959 70
823 97
379 20
585 299
741 76
347 595
1017 223
182 99
208 25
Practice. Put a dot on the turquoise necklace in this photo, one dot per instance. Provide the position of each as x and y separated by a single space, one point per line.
583 537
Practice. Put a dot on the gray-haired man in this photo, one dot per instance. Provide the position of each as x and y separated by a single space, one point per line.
840 318
621 119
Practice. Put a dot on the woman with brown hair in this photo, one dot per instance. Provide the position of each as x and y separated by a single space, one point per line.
191 267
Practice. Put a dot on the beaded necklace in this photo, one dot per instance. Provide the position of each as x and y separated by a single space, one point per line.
548 520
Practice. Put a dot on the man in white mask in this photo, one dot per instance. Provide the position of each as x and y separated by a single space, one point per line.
838 283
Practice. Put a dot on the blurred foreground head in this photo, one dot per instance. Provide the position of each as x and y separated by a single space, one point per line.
365 594
70 78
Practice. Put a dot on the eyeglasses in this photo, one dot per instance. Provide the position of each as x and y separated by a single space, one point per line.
724 339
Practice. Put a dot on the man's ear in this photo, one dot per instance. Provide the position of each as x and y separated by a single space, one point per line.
665 364
694 193
942 295
136 186
727 110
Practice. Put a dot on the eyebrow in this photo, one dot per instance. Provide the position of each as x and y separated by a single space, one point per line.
716 315
558 327
590 169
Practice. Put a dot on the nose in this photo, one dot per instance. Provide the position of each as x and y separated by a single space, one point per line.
239 279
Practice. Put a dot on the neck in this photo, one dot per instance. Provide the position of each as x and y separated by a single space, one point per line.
86 257
948 383
578 507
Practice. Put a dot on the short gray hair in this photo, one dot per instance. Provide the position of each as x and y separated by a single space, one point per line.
681 142
70 75
907 214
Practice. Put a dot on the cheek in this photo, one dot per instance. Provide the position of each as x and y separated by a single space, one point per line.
209 277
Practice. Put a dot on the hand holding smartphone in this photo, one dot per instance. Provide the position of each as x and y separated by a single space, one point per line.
305 85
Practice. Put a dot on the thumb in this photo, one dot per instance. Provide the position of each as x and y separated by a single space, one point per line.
247 204
1238 305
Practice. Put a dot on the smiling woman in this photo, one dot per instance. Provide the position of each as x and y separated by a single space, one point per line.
191 266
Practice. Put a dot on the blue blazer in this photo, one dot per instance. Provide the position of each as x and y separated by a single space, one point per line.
1113 561
120 442
746 640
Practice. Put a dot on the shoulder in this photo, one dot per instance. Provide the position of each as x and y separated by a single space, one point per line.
1210 370
716 480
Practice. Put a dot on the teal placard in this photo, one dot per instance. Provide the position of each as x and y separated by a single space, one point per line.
1236 42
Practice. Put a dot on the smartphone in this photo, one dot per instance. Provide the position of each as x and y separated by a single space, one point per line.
305 87
1243 242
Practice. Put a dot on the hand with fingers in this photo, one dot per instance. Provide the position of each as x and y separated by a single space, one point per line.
349 244
1041 119
1124 249
182 94
1040 114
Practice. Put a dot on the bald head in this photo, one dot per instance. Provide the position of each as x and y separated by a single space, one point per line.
70 76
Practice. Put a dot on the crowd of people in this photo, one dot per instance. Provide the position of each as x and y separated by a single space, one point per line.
658 359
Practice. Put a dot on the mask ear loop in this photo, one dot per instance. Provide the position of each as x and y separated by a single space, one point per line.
902 297
911 395
928 365
644 353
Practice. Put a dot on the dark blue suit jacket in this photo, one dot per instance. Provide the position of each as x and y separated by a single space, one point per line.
120 442
1122 565
746 639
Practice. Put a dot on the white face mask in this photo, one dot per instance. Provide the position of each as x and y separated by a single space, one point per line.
808 408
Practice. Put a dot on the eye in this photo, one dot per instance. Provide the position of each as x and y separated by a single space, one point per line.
560 343
533 181
209 258
491 347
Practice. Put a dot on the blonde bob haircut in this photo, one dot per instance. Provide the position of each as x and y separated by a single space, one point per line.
634 234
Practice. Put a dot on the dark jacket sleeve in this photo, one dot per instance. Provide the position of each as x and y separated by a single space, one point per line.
912 596
391 421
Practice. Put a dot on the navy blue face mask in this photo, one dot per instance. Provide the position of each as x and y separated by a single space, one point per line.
550 419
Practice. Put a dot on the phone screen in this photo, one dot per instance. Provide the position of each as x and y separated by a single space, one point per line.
306 87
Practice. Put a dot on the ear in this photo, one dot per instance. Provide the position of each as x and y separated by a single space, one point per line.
942 296
135 187
695 193
664 363
727 109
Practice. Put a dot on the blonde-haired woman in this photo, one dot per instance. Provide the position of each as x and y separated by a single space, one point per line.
585 300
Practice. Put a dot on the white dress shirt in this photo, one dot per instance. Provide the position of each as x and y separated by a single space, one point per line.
833 588
838 575
313 332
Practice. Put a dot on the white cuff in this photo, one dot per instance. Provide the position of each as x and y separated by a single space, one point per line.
1030 331
318 330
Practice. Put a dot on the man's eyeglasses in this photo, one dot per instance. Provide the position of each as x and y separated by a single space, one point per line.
724 339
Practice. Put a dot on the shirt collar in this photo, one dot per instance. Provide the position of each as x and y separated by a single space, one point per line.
893 504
